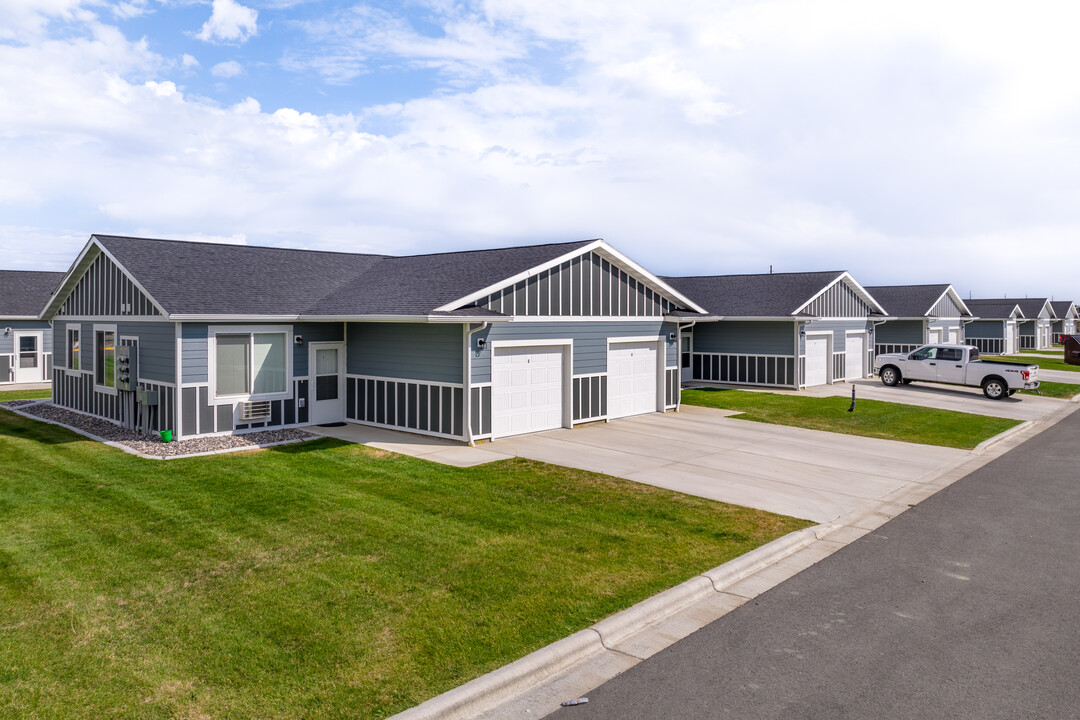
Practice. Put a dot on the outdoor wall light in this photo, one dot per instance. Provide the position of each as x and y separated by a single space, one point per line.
480 343
298 339
671 337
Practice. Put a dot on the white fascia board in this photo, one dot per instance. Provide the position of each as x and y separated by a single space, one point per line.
951 292
456 320
20 317
636 270
859 290
682 319
48 309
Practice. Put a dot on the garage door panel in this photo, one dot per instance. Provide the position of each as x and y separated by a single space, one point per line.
632 371
527 390
817 361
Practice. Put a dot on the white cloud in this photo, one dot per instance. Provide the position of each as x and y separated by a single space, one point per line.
907 145
229 22
227 69
188 61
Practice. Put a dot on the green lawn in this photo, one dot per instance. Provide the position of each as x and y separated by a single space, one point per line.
1054 390
318 580
1045 363
872 418
6 395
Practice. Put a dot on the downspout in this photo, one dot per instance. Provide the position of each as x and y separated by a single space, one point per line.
467 380
678 354
873 343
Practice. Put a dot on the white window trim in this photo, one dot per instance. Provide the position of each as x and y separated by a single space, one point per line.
116 340
211 360
68 327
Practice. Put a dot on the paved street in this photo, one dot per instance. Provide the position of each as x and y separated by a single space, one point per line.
965 606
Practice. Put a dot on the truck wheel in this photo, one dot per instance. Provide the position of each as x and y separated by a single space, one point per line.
995 388
890 376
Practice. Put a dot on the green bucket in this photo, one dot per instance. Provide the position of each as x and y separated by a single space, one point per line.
166 436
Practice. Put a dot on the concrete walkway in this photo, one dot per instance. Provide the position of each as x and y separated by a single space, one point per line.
700 451
26 386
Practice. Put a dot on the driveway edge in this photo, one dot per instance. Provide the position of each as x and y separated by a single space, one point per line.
491 690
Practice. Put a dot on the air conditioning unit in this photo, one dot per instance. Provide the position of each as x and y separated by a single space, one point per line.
250 411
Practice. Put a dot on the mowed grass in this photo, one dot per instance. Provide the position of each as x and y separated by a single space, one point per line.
871 418
319 580
1054 390
1044 363
6 395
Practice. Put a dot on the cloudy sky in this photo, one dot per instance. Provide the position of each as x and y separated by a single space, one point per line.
907 142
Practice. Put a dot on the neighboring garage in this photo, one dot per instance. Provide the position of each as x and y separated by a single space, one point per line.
779 330
527 389
918 315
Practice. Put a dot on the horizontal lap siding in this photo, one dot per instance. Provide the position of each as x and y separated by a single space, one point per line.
7 343
985 329
900 332
157 348
1027 328
590 341
839 329
313 332
407 351
744 337
193 344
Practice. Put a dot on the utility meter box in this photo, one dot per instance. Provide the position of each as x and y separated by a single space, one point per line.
148 397
127 367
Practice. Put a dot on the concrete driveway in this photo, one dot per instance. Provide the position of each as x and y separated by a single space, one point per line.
943 397
700 451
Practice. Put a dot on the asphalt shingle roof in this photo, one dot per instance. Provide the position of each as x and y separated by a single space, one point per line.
991 308
765 295
194 278
24 292
910 301
1061 307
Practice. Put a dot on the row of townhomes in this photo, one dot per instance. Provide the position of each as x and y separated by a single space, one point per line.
206 339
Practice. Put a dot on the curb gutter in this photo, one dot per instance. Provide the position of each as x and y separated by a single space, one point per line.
490 690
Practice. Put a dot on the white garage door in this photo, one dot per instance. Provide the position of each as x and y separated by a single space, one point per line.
817 360
933 337
526 390
954 336
854 350
631 379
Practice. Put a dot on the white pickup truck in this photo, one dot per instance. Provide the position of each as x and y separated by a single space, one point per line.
956 365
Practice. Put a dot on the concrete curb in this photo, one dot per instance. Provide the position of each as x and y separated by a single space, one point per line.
990 442
490 690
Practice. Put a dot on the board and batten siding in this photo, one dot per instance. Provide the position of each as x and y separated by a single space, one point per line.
406 351
946 307
590 341
839 301
588 285
106 290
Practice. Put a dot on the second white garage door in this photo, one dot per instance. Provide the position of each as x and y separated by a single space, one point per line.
817 361
526 390
631 379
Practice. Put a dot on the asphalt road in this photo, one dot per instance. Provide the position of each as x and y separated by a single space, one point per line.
966 606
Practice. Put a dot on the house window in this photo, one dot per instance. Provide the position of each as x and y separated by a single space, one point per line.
251 363
105 358
73 337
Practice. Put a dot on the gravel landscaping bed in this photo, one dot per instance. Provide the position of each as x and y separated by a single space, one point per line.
151 444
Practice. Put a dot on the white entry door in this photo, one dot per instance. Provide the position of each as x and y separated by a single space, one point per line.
856 352
29 366
631 379
326 363
1010 338
526 390
817 360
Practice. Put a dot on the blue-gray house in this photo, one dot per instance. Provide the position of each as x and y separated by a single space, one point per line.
918 315
1065 320
996 331
465 345
783 330
25 339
